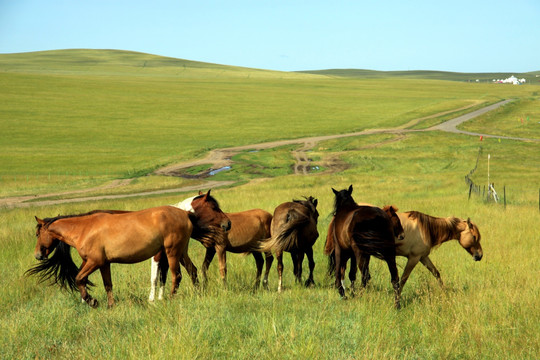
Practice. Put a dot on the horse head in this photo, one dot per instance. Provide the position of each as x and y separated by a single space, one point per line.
391 211
208 212
469 239
343 198
46 240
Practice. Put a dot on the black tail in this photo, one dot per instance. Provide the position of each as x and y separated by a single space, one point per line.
331 264
59 268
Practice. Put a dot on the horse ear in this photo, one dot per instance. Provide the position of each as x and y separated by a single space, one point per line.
394 208
335 191
315 202
39 221
469 222
350 190
205 198
200 192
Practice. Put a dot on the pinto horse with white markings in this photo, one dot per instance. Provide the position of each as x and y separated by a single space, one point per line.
105 237
248 229
365 231
294 229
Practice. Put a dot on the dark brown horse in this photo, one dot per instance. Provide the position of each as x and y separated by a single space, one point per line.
364 230
424 232
399 235
294 229
105 237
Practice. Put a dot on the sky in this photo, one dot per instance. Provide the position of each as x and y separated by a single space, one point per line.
290 35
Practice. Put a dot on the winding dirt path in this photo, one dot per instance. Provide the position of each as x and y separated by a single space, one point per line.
220 158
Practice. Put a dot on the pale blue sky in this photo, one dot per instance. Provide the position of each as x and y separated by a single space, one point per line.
459 35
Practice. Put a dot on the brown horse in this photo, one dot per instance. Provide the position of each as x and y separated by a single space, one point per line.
364 230
399 235
294 229
105 237
248 229
424 232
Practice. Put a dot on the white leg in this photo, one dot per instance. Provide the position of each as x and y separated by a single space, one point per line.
153 280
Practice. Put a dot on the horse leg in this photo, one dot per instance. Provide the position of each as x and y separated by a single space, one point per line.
208 257
279 256
81 280
411 263
269 261
158 268
259 262
309 254
427 263
105 271
190 267
154 269
394 276
294 259
364 269
222 258
339 271
174 267
352 272
299 261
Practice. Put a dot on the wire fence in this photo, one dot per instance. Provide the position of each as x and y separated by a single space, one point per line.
487 193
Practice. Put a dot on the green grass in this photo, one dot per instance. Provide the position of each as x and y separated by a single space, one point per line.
488 309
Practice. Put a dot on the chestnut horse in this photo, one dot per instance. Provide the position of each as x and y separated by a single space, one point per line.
105 237
248 229
364 230
294 229
399 234
424 232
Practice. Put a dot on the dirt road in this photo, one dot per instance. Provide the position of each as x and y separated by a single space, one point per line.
220 158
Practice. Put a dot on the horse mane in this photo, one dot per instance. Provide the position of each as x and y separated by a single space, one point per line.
48 221
437 230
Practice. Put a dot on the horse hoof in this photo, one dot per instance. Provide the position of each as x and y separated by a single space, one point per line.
309 283
93 303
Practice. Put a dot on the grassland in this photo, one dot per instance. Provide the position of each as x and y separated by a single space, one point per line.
75 127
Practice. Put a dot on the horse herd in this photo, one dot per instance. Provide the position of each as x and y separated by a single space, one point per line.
356 232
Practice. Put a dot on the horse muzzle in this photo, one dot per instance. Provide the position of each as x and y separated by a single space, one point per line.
40 256
477 256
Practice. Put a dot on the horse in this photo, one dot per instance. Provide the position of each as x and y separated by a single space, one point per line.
248 229
424 232
294 229
364 230
391 211
105 237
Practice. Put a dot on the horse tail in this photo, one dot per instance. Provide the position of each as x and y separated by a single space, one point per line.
59 268
331 264
287 235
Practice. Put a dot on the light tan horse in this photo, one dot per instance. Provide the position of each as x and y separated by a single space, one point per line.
102 238
424 232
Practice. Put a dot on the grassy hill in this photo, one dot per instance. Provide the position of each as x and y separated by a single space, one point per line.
125 63
531 77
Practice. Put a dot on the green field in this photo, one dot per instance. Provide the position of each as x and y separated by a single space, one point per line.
81 119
